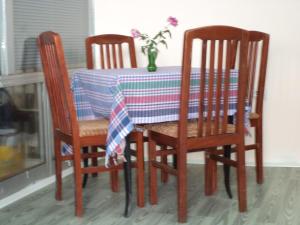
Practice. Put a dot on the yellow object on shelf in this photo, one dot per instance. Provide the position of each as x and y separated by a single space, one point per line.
11 160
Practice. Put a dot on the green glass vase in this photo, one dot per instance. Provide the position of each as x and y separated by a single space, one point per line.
151 61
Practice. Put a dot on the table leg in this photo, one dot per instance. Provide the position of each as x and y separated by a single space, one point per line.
128 179
226 168
85 164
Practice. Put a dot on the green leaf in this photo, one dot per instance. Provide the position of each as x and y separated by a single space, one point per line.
167 31
153 42
144 50
162 36
158 35
164 42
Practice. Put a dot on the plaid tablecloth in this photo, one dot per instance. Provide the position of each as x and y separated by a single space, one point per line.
135 96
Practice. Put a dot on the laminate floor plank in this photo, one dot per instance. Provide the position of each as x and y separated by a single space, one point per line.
276 202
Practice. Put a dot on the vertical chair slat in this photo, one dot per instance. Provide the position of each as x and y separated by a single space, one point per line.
114 56
63 111
218 86
202 88
249 60
226 87
234 45
249 53
252 71
108 56
57 86
102 57
210 88
120 56
54 98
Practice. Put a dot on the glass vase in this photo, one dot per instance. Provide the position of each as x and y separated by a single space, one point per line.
151 61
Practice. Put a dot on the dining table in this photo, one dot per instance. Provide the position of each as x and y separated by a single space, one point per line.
132 97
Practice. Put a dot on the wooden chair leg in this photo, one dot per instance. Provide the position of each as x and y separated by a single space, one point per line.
241 177
58 169
78 181
94 160
152 172
210 175
114 178
214 176
182 184
259 153
164 175
140 174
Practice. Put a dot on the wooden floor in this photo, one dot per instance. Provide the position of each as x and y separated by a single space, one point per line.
277 201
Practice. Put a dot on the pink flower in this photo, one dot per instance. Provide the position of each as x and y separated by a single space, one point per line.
173 21
135 33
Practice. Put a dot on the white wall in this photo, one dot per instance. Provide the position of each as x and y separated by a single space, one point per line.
279 18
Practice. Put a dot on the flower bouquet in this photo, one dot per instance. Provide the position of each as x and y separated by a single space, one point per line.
151 44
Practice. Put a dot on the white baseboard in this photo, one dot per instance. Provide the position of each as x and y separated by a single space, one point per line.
32 188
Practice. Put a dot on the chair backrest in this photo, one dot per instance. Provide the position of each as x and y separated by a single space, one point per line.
57 82
257 61
111 51
258 48
215 69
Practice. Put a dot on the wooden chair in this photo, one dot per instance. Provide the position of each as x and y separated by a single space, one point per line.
210 130
257 71
257 63
112 55
111 51
66 127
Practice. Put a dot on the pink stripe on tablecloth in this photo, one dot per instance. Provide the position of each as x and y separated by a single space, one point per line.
147 99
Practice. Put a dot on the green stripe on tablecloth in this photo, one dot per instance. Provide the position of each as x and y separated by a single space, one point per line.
162 84
147 84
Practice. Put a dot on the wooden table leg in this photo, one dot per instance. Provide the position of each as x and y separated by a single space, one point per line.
128 179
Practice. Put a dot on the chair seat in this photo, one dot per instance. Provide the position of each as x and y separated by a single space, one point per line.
93 127
171 128
254 116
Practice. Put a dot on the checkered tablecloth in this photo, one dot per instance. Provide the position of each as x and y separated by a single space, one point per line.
135 96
